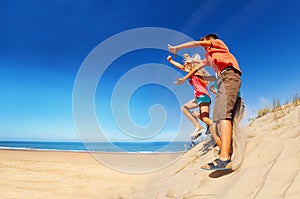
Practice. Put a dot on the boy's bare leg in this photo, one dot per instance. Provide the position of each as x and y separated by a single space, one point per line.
226 136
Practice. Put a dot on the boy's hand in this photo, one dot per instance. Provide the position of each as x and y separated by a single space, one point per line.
169 58
172 49
212 89
179 81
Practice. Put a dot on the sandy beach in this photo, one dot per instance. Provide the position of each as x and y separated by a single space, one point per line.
47 174
270 169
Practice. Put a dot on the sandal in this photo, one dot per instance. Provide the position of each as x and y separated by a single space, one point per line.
218 164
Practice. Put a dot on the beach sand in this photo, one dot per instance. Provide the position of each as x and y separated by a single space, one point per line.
270 169
47 174
54 174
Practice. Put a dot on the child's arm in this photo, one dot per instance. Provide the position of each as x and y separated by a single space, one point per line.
212 89
201 64
207 78
178 65
190 44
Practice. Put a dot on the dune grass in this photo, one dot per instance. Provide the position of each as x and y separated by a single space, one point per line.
278 109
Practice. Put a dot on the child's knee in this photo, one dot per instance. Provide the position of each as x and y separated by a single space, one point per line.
183 108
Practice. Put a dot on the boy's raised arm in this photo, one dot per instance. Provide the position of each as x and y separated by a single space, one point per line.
190 44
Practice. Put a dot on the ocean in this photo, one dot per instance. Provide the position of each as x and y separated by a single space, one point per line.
133 147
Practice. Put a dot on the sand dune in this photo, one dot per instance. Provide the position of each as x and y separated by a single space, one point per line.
270 169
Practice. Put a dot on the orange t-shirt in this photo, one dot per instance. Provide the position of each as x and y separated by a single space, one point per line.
219 57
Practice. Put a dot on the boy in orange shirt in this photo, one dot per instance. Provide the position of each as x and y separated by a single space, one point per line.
226 66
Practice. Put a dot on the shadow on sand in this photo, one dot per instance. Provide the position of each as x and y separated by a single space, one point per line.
218 174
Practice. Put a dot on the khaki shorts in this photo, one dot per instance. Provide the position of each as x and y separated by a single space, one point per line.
228 84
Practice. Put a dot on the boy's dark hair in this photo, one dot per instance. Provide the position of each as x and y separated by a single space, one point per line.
209 36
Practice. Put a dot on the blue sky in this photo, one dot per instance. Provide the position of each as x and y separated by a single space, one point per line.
44 43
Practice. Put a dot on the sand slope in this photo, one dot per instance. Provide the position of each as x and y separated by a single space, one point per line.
270 169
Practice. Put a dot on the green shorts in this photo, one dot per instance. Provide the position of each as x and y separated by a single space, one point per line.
203 100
